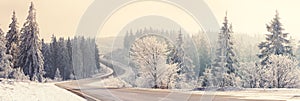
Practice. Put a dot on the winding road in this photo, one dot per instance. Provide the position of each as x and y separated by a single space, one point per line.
99 93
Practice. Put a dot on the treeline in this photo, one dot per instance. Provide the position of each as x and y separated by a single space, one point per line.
24 56
77 56
223 64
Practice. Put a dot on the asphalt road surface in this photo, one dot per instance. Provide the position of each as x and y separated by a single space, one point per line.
132 94
82 88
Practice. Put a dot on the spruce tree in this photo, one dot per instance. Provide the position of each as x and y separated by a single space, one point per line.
70 68
178 55
57 76
5 64
225 63
54 56
63 58
276 43
204 52
47 59
31 58
13 40
97 57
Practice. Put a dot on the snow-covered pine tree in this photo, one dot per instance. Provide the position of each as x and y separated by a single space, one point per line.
5 64
46 51
225 64
298 52
204 52
13 40
77 57
178 55
31 57
57 76
18 74
63 58
276 42
207 78
185 64
97 57
54 56
69 48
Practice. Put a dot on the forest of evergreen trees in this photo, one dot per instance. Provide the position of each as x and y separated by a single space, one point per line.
71 56
24 56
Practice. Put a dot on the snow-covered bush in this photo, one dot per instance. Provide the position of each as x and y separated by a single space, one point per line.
57 76
281 72
19 75
250 74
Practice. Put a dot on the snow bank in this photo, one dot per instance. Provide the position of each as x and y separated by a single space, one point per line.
32 91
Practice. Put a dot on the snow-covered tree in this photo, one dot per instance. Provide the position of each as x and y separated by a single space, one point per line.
31 58
185 65
5 64
54 57
97 57
207 78
204 52
168 76
225 64
150 54
283 72
250 74
276 42
69 48
298 52
13 40
63 57
57 76
46 51
178 55
18 74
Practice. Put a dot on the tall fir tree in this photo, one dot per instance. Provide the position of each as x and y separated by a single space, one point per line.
5 64
97 57
31 57
13 40
54 56
204 52
70 64
225 64
47 59
63 58
277 42
178 55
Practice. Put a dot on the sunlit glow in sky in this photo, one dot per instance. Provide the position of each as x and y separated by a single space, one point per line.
61 17
139 9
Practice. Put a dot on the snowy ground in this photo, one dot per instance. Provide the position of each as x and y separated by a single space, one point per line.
259 94
32 91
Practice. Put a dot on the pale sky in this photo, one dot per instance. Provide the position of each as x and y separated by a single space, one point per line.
251 16
61 17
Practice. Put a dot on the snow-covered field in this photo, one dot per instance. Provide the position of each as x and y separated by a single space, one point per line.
32 91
